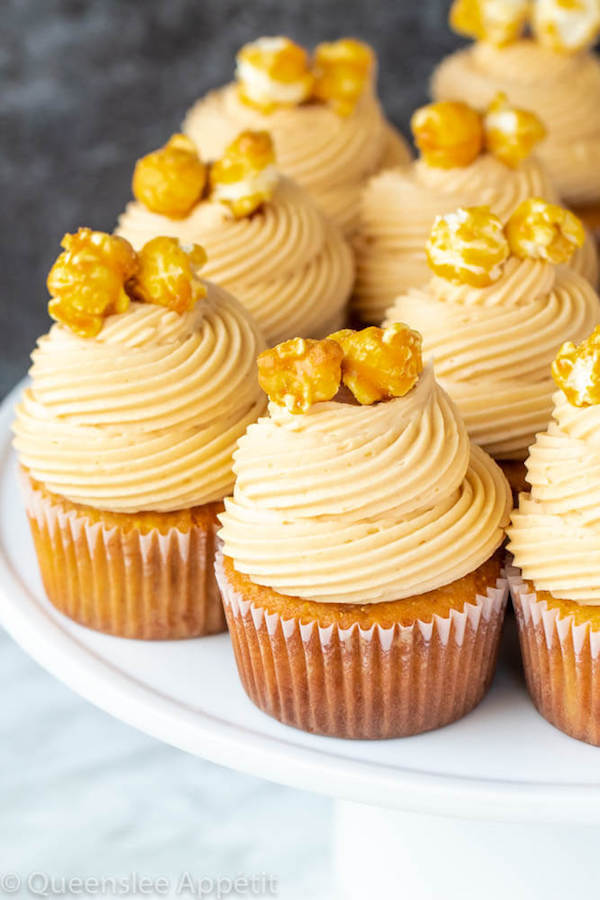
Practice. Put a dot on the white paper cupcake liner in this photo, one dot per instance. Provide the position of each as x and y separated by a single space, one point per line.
117 580
357 683
561 660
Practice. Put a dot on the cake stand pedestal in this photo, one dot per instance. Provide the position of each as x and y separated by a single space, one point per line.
424 857
497 805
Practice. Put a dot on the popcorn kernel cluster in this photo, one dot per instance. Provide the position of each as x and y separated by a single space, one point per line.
98 274
452 134
375 364
576 370
564 26
470 246
274 72
173 180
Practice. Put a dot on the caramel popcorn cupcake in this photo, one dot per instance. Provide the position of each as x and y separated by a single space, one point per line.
555 539
467 158
329 130
499 304
266 241
360 570
540 55
138 395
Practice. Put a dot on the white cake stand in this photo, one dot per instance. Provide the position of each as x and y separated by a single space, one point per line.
497 805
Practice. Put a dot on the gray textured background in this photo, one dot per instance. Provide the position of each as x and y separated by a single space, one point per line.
87 87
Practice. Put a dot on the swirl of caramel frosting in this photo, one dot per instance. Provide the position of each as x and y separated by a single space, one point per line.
400 205
564 89
555 532
144 416
286 263
493 346
363 504
329 155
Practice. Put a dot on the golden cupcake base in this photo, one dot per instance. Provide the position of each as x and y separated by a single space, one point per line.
560 646
381 670
147 576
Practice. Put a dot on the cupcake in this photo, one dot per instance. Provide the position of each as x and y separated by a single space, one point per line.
266 240
555 540
360 570
467 158
551 68
329 130
498 306
126 433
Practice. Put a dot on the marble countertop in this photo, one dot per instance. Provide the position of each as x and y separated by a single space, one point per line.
85 795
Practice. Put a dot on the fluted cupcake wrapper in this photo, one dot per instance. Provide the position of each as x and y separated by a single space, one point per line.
152 586
561 661
357 683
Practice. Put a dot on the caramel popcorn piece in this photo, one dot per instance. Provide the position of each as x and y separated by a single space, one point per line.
511 133
497 22
167 274
87 280
273 72
380 364
541 230
566 26
468 246
576 370
298 373
448 134
170 181
245 177
342 69
374 364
